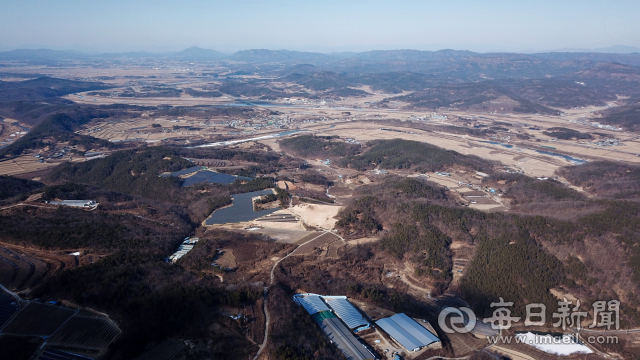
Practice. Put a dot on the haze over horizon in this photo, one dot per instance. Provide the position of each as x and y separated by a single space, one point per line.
329 26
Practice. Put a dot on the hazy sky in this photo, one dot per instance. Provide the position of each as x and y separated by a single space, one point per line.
325 26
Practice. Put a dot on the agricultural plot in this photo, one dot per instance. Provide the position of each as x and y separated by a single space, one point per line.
311 235
167 350
21 165
321 242
40 267
8 272
54 354
37 320
26 271
332 252
8 306
86 333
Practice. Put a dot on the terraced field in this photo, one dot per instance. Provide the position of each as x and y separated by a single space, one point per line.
8 272
85 333
332 252
37 320
308 237
25 269
21 271
21 165
321 242
55 354
8 306
167 350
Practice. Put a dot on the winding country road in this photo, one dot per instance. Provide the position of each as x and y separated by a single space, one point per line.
266 291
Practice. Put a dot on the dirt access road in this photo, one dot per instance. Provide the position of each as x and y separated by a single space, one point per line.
266 292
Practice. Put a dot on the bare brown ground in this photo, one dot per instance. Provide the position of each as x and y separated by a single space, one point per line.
321 216
227 260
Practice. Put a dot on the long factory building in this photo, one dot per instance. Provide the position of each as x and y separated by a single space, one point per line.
323 309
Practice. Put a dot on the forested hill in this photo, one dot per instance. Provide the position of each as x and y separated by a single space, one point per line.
43 87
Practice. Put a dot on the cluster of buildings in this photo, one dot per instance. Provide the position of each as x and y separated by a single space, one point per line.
183 249
432 116
505 138
341 321
607 142
596 125
303 101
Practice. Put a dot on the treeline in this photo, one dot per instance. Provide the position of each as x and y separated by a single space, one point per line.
371 210
136 172
156 300
11 186
315 178
251 90
72 228
60 127
132 172
566 134
627 117
229 154
318 146
605 178
428 248
205 94
44 87
529 190
514 256
470 95
406 154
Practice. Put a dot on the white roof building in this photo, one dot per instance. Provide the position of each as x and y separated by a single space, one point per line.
87 204
411 335
312 303
346 311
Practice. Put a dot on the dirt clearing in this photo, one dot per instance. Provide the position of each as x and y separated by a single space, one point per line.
321 216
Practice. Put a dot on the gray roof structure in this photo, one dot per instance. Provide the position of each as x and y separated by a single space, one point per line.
346 311
350 347
241 210
411 335
313 304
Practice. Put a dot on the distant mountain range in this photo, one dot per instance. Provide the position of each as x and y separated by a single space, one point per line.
444 65
616 49
287 56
